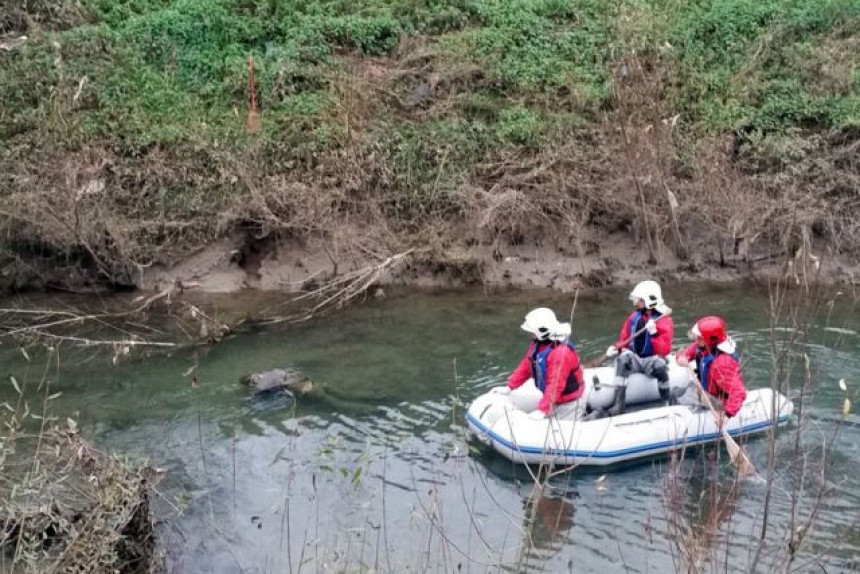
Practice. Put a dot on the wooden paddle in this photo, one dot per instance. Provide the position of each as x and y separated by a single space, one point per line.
597 361
738 457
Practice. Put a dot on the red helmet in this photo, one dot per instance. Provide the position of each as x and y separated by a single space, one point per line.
712 330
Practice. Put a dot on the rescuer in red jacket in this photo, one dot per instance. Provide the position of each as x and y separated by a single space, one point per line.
551 361
716 363
643 344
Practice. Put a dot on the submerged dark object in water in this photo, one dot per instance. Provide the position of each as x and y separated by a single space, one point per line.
286 379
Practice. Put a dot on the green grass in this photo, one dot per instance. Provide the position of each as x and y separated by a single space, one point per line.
158 68
741 62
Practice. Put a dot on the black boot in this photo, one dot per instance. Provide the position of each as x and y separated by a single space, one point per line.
667 396
617 407
661 373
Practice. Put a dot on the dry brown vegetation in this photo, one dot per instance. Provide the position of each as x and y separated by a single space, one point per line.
417 129
66 506
73 508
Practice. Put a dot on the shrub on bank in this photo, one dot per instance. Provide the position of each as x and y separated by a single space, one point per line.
421 97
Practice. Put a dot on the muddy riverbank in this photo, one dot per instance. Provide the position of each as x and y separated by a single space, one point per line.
234 264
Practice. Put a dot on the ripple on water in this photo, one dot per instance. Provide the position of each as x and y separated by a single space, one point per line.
389 459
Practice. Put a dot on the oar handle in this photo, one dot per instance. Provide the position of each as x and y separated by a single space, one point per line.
597 361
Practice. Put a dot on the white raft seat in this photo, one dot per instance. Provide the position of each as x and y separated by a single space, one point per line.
502 422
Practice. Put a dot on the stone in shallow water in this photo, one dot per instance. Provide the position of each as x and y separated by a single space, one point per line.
286 379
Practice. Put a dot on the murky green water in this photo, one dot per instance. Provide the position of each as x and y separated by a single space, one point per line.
377 475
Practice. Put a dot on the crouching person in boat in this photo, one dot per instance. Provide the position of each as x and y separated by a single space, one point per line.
644 343
715 360
553 363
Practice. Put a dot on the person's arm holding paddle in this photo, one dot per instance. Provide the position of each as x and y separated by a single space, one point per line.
738 457
665 333
660 330
686 356
717 373
522 373
726 377
624 338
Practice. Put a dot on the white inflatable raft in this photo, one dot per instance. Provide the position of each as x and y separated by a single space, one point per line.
502 421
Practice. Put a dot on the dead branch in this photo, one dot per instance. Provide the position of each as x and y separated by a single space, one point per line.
73 318
58 326
341 291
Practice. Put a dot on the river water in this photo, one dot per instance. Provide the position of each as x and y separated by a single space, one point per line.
377 474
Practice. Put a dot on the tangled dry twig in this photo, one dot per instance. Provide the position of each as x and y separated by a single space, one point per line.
75 508
343 290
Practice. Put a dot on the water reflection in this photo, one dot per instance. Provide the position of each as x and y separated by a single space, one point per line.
550 517
699 505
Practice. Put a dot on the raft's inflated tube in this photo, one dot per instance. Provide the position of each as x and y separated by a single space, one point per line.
503 422
640 388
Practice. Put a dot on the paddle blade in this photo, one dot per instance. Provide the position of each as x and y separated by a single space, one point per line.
738 457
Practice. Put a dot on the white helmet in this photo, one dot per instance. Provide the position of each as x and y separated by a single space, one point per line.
541 323
649 292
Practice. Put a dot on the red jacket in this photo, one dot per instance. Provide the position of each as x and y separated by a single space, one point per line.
661 342
724 379
561 362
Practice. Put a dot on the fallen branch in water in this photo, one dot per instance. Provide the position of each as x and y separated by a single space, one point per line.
340 291
52 327
72 318
112 342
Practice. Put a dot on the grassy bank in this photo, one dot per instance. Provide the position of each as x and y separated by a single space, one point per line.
451 123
